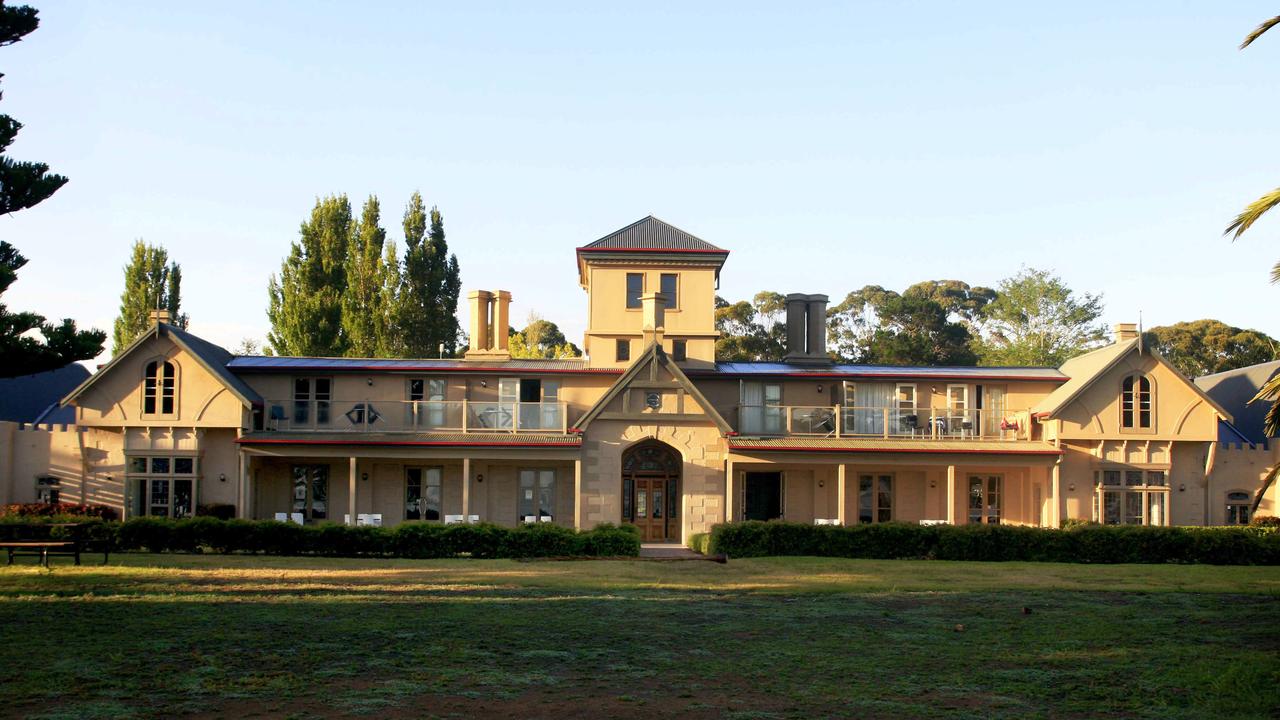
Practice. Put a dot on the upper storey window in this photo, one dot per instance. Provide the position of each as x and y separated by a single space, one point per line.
670 291
1135 403
635 288
158 388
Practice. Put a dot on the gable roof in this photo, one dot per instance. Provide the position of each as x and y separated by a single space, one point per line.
653 354
212 357
34 398
1085 369
1234 389
654 235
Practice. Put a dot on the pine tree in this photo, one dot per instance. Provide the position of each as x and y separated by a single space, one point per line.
24 185
306 299
150 282
363 317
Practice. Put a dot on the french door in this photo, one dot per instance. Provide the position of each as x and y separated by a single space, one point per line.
650 502
985 495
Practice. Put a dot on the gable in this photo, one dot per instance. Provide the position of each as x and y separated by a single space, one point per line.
114 395
654 391
1181 411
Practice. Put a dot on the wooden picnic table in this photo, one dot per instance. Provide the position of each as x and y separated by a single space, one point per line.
38 539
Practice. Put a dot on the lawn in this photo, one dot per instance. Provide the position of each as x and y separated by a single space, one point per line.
214 636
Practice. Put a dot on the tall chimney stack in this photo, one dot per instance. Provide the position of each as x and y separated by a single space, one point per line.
807 329
653 318
489 322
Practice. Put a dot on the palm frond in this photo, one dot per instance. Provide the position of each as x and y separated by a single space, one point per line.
1266 485
1257 32
1251 213
1275 273
1270 390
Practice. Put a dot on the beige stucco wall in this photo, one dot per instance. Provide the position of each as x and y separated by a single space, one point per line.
202 400
609 318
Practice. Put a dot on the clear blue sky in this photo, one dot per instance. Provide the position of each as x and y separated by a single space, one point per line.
827 147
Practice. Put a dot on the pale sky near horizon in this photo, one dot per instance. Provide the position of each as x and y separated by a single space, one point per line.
827 147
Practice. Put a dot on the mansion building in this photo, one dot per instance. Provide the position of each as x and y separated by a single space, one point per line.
648 428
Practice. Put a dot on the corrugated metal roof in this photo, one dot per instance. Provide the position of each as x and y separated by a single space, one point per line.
887 371
256 363
650 233
904 445
413 439
216 358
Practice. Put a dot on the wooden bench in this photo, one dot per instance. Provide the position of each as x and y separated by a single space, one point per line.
38 540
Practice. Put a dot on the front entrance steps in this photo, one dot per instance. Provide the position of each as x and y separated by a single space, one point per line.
668 551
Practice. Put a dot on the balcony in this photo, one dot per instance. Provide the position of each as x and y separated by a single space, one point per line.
416 416
925 423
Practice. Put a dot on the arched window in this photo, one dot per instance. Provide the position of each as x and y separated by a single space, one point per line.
1135 403
1238 506
158 388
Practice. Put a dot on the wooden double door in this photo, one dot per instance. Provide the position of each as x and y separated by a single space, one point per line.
650 503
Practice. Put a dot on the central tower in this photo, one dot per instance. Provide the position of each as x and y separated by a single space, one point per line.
650 282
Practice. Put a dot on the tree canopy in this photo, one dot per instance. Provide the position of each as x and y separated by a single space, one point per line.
1035 319
343 289
1204 347
541 339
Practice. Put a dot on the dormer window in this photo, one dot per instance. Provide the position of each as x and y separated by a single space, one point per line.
158 388
1135 403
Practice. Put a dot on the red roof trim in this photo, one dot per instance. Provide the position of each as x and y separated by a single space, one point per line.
935 451
661 251
918 376
425 369
404 443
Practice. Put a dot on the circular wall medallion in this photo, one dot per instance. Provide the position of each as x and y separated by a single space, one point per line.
653 399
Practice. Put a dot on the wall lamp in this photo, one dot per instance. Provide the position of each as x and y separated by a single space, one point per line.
370 381
1071 487
819 388
1182 488
364 476
222 477
479 477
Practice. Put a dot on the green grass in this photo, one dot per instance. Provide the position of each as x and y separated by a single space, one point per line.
210 636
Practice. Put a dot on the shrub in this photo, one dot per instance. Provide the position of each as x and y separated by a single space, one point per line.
608 540
409 540
59 510
1265 521
700 543
221 511
1084 543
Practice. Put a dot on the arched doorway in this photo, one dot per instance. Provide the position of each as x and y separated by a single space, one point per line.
651 490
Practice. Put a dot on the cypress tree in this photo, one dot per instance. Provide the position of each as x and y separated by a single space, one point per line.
150 282
391 342
305 307
363 316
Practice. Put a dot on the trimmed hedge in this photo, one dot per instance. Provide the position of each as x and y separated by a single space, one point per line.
408 540
700 543
1082 544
